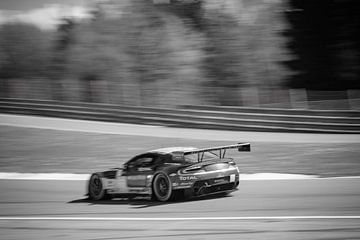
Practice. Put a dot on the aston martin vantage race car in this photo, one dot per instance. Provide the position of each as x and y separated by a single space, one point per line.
167 173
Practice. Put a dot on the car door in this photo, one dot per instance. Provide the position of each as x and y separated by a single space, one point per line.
139 168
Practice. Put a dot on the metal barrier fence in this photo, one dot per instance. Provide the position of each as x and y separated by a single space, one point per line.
169 95
208 117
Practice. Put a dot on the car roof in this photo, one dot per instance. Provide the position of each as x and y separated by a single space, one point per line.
172 149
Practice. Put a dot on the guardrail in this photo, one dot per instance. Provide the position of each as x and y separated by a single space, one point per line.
208 117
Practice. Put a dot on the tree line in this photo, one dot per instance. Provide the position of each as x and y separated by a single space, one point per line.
214 50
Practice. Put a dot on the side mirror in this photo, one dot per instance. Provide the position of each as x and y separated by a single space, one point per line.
124 167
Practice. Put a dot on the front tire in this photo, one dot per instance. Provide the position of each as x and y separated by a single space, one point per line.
96 188
162 187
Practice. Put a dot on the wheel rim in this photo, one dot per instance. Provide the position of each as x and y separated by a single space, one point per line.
162 187
95 186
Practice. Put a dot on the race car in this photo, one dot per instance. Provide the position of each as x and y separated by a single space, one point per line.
168 173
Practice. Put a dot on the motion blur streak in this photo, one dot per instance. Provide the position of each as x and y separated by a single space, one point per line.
142 130
173 219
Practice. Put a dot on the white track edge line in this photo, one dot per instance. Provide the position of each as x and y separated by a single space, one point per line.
172 219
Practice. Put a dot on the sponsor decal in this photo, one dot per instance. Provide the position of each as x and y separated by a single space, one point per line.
185 183
187 178
109 184
143 169
137 190
136 177
221 175
219 180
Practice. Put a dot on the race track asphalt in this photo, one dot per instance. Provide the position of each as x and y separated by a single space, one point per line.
316 209
274 209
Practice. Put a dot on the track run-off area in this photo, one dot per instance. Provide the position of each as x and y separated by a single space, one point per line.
266 206
272 209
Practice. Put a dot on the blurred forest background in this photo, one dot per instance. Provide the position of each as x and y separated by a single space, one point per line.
167 53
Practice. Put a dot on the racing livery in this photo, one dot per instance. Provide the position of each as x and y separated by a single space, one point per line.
168 173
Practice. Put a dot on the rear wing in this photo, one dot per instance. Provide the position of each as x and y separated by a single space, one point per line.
242 147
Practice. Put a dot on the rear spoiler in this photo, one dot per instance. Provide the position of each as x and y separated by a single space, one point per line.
242 147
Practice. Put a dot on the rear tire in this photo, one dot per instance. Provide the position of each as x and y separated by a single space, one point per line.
96 189
162 187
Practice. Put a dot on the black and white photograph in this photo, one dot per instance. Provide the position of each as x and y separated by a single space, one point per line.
179 119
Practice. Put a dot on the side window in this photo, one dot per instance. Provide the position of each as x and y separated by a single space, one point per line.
142 161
